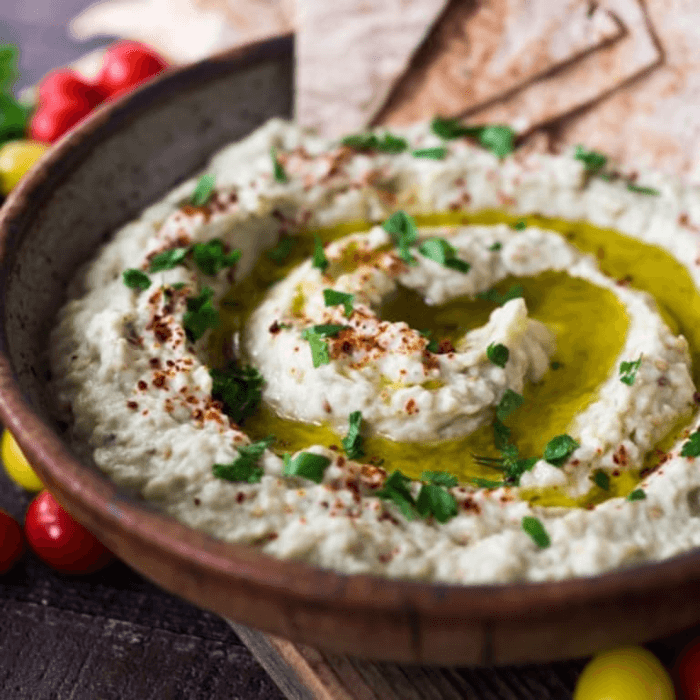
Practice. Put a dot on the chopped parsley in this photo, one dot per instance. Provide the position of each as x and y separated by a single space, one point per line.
333 298
245 466
498 354
440 479
167 260
602 480
535 528
13 114
136 279
352 442
497 138
433 345
628 371
388 143
307 465
319 259
200 315
239 388
316 335
593 161
559 448
403 230
203 190
637 495
497 298
496 246
437 153
396 489
277 169
439 250
555 365
510 401
435 500
281 251
691 448
486 483
211 257
519 225
642 190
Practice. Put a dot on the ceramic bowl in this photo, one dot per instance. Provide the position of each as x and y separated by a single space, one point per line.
129 154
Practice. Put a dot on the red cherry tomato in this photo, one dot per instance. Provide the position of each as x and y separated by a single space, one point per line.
11 542
61 86
127 64
686 672
49 123
60 541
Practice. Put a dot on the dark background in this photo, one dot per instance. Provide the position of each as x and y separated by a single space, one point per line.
113 635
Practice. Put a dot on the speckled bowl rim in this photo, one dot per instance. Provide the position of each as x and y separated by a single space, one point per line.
93 499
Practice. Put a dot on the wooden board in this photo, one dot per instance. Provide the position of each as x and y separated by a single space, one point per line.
303 673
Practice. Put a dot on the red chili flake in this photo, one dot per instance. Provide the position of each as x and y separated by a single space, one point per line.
159 380
274 328
341 461
162 331
471 506
142 385
240 497
411 407
327 407
154 362
132 405
445 346
197 502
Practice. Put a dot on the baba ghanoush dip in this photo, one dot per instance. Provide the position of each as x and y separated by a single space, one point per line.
422 355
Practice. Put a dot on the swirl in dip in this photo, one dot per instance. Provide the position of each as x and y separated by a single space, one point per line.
403 356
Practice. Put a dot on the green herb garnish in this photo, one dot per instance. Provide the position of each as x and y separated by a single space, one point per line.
637 495
388 143
642 190
439 250
200 315
510 401
333 298
535 528
211 257
281 251
245 466
319 259
403 230
519 225
559 448
13 115
486 483
239 388
497 298
433 345
497 138
203 190
277 169
593 161
437 153
167 260
352 442
136 279
602 480
498 354
440 479
434 500
396 489
691 448
628 371
307 465
495 247
316 336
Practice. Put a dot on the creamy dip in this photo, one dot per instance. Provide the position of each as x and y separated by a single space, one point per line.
497 391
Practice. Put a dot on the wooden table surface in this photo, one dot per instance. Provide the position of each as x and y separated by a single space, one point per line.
114 635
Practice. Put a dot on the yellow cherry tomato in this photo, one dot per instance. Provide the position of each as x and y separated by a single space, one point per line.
16 157
626 673
16 464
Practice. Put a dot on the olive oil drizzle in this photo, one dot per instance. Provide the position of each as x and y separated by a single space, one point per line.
589 322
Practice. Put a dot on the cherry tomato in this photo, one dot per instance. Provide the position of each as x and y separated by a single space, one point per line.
49 122
687 672
60 541
127 64
16 157
626 673
16 464
11 542
61 86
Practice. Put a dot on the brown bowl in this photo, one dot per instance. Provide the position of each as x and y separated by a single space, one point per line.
100 176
